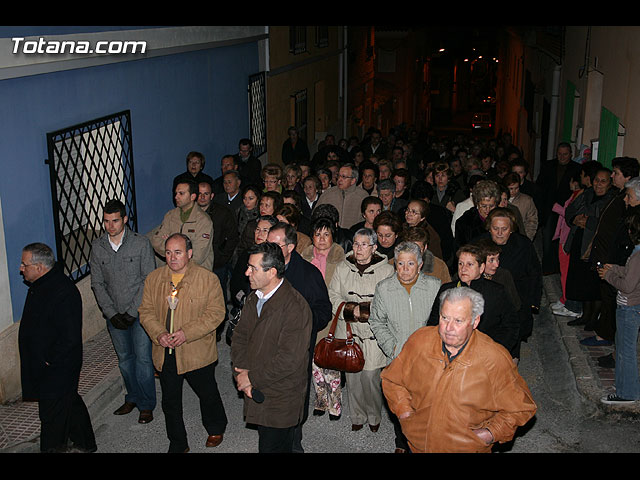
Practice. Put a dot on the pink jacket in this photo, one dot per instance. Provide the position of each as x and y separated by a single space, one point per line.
562 229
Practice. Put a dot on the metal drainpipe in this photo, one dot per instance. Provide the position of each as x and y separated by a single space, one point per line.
344 82
553 115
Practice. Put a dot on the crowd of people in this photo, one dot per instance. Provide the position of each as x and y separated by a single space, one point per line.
422 247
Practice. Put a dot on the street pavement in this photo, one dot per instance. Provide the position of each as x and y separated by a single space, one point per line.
562 374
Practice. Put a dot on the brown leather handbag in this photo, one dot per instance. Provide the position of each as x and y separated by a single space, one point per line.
340 354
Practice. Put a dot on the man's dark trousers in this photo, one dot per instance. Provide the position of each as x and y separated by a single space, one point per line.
203 383
62 419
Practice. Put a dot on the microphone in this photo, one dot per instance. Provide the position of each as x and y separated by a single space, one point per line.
257 395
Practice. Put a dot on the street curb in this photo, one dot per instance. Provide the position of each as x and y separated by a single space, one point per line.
584 370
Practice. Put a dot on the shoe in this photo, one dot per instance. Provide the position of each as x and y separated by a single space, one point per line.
146 416
576 322
318 413
564 312
374 428
334 417
557 304
594 342
400 450
607 361
613 399
214 440
355 427
79 449
186 450
127 407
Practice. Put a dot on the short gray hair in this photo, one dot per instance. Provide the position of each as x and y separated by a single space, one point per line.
369 233
41 253
461 293
408 247
387 184
354 169
634 184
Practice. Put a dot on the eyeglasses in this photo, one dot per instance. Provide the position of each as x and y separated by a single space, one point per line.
25 265
484 206
362 245
386 235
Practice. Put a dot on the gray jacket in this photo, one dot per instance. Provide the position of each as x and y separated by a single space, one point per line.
117 278
395 314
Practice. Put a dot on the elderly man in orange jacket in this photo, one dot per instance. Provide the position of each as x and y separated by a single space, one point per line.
454 389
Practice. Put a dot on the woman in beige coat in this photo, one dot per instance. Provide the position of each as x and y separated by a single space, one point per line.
325 254
354 282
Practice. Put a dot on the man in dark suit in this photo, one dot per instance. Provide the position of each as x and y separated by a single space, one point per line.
227 163
225 236
294 148
250 166
50 343
307 280
231 196
312 187
553 184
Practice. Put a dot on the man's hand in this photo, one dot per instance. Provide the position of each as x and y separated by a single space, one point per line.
580 220
242 380
405 414
164 340
484 434
177 338
603 270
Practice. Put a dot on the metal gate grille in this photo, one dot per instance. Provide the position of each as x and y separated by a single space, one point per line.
89 164
258 112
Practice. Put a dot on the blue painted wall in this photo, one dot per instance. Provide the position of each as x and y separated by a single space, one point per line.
178 103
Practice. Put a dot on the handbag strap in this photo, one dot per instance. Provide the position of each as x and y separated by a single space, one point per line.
334 323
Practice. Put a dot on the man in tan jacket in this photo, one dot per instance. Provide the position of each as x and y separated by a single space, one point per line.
182 305
454 389
189 219
346 196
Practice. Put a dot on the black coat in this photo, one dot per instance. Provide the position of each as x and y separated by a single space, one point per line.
225 233
440 219
187 176
50 337
296 154
552 189
469 226
499 320
307 279
519 256
250 170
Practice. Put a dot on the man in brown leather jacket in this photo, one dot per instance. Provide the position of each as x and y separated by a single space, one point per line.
452 372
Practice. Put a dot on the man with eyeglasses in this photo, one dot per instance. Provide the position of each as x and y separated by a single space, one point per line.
346 196
307 280
270 351
50 345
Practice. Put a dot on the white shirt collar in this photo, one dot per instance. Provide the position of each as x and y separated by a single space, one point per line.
266 297
113 245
